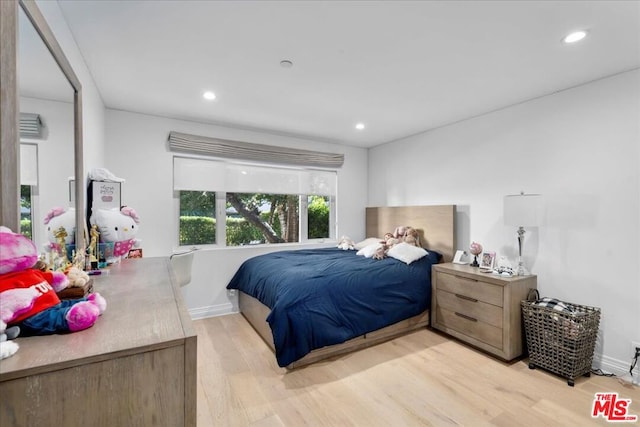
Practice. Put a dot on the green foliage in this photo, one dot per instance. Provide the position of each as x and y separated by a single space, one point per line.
197 230
25 227
200 230
25 196
25 218
197 225
241 232
197 203
318 221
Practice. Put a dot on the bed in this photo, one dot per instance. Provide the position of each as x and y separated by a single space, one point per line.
312 304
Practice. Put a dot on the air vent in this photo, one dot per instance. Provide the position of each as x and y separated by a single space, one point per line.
30 125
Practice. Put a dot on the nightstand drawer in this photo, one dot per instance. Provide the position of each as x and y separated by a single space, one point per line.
470 326
471 288
479 310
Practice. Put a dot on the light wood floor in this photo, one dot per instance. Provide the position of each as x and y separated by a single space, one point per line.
421 379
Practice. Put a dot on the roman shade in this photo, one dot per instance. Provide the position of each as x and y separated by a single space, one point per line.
191 174
28 164
182 142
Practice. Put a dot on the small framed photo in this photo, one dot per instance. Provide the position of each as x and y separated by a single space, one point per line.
487 260
461 257
135 253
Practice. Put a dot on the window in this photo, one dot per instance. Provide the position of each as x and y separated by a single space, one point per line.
255 204
28 180
26 213
318 208
197 218
254 218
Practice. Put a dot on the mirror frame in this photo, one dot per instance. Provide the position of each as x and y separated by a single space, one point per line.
9 122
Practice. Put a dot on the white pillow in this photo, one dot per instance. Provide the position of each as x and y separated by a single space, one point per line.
406 253
369 250
367 242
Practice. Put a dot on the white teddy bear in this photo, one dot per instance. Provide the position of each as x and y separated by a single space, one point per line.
346 244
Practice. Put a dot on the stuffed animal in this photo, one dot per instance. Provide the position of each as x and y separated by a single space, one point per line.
412 237
28 296
118 226
77 278
8 348
60 217
401 234
346 244
407 234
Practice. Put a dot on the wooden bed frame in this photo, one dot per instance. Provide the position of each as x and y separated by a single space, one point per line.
435 225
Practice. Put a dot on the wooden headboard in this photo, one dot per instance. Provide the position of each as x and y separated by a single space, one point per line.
435 224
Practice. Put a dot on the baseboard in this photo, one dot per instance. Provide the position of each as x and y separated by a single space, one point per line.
614 366
211 311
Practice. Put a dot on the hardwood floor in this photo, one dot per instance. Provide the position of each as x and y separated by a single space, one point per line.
420 379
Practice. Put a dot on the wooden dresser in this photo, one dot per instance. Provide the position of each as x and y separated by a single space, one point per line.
482 309
135 367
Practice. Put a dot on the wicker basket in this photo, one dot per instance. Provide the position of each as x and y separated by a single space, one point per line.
559 341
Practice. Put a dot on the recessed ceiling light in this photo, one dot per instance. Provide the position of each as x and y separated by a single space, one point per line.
209 95
360 126
285 63
576 36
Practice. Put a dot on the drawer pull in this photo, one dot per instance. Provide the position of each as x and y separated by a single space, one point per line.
468 279
466 298
464 316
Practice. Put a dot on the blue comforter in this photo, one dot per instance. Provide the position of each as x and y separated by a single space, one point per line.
321 297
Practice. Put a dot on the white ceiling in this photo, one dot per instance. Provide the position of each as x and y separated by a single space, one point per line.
399 67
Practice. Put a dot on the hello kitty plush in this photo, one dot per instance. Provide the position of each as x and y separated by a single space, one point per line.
60 217
28 296
118 226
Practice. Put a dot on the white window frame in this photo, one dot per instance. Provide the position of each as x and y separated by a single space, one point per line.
221 202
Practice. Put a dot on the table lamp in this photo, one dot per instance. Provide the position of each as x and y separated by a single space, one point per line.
522 210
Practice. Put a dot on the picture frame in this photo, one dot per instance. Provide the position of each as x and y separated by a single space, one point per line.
487 260
461 257
135 253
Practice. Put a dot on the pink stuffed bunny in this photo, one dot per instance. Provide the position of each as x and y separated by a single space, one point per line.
28 297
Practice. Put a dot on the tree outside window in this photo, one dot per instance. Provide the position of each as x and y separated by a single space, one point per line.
251 218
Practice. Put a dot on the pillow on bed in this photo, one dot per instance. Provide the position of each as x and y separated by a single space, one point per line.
369 250
406 253
367 242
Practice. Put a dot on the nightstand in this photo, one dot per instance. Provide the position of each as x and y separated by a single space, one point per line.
482 309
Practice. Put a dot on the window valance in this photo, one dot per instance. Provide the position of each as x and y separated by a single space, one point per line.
186 143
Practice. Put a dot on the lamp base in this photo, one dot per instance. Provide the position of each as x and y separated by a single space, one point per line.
521 270
475 262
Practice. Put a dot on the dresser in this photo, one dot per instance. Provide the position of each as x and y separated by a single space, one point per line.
135 367
481 309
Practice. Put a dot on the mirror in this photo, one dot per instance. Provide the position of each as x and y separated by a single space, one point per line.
43 90
48 87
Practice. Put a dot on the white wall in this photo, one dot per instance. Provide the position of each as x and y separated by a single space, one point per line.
138 152
580 149
55 159
93 110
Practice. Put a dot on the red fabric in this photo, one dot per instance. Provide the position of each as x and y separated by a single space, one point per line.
31 279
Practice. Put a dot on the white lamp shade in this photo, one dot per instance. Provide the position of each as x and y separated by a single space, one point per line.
523 210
